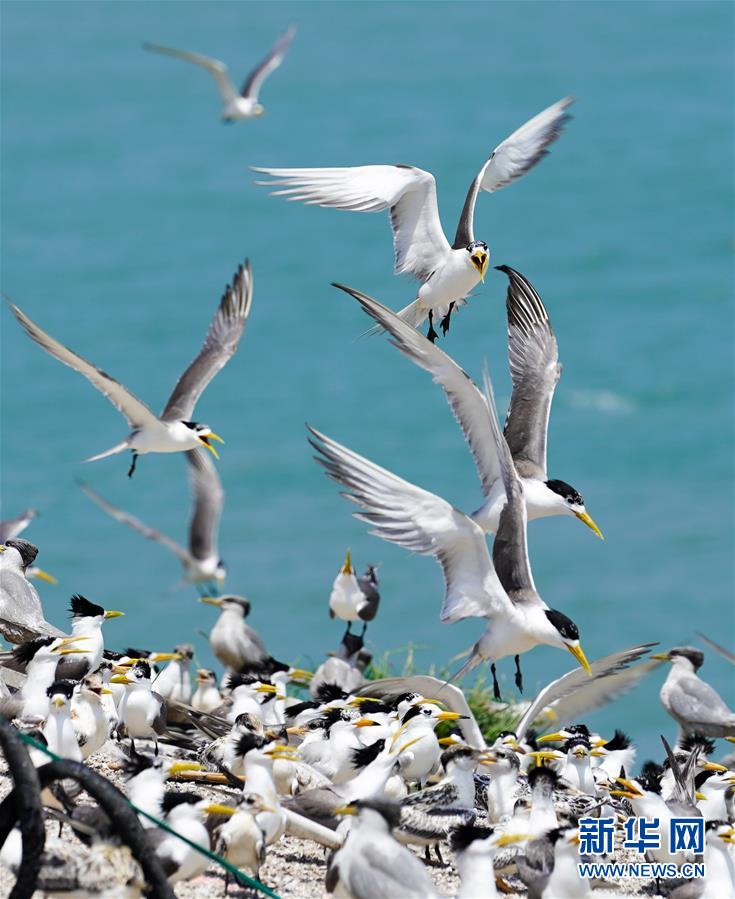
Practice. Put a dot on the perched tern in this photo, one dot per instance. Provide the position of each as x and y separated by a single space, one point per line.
235 106
201 560
447 273
173 432
21 613
59 727
535 370
233 641
353 598
87 619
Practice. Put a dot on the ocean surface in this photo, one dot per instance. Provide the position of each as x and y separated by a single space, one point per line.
127 205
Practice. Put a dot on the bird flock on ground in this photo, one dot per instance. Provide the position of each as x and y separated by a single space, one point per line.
371 769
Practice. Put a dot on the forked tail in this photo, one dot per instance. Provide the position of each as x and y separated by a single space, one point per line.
110 452
414 314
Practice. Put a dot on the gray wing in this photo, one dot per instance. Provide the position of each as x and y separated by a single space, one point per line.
134 410
432 688
220 345
510 547
725 653
11 527
535 866
386 870
511 159
275 57
700 706
216 68
534 370
21 612
465 399
209 498
576 693
136 524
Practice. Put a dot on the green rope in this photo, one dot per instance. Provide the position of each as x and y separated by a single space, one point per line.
222 862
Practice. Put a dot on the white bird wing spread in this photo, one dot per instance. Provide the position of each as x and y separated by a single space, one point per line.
257 76
209 498
136 524
534 370
135 411
511 159
410 193
576 693
422 522
219 346
465 399
215 67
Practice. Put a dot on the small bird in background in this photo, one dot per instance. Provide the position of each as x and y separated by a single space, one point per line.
353 598
13 527
235 106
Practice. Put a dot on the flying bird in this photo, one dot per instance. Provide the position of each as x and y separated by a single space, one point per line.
242 105
201 560
447 273
535 370
172 432
13 527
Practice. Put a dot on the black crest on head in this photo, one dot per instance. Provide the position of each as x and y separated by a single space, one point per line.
576 740
81 607
372 706
566 627
133 763
455 753
695 656
618 741
477 245
362 757
28 551
403 697
239 680
64 687
248 741
330 692
132 652
566 491
650 776
697 741
389 810
411 713
264 669
293 710
543 777
171 800
144 668
23 654
466 834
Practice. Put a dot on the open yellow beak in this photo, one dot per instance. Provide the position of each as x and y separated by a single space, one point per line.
210 600
576 651
589 521
544 755
347 567
480 260
44 576
216 809
112 614
211 436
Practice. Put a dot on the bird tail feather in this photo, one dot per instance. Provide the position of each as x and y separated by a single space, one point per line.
118 448
414 314
474 660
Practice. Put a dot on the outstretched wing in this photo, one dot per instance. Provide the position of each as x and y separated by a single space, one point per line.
421 522
215 67
255 79
465 399
535 372
409 193
135 411
220 345
209 498
510 160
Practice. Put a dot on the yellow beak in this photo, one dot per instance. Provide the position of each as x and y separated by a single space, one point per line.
662 657
345 810
59 701
120 679
449 716
713 766
551 738
209 446
210 600
164 657
347 567
216 809
265 688
448 741
300 674
480 260
44 576
507 838
365 722
589 521
113 614
576 651
179 767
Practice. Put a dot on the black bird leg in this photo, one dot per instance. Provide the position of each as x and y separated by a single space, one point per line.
519 676
348 630
431 333
445 321
133 464
427 855
496 686
364 628
438 855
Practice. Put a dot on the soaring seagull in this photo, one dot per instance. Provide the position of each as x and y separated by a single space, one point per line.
535 370
447 273
201 561
498 588
173 432
243 105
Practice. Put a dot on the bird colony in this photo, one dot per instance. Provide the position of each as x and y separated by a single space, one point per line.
130 772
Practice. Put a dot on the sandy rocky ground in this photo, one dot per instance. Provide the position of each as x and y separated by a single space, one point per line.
294 868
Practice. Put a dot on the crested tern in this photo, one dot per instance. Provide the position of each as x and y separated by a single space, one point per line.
498 588
233 641
21 612
207 695
173 431
447 273
475 849
242 105
59 727
142 711
535 371
201 560
690 701
87 620
353 598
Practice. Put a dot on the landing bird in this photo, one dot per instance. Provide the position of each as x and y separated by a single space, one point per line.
201 560
173 432
21 613
353 598
447 274
535 371
690 701
500 589
235 106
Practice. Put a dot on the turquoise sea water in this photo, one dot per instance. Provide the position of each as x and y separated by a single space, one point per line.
126 206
